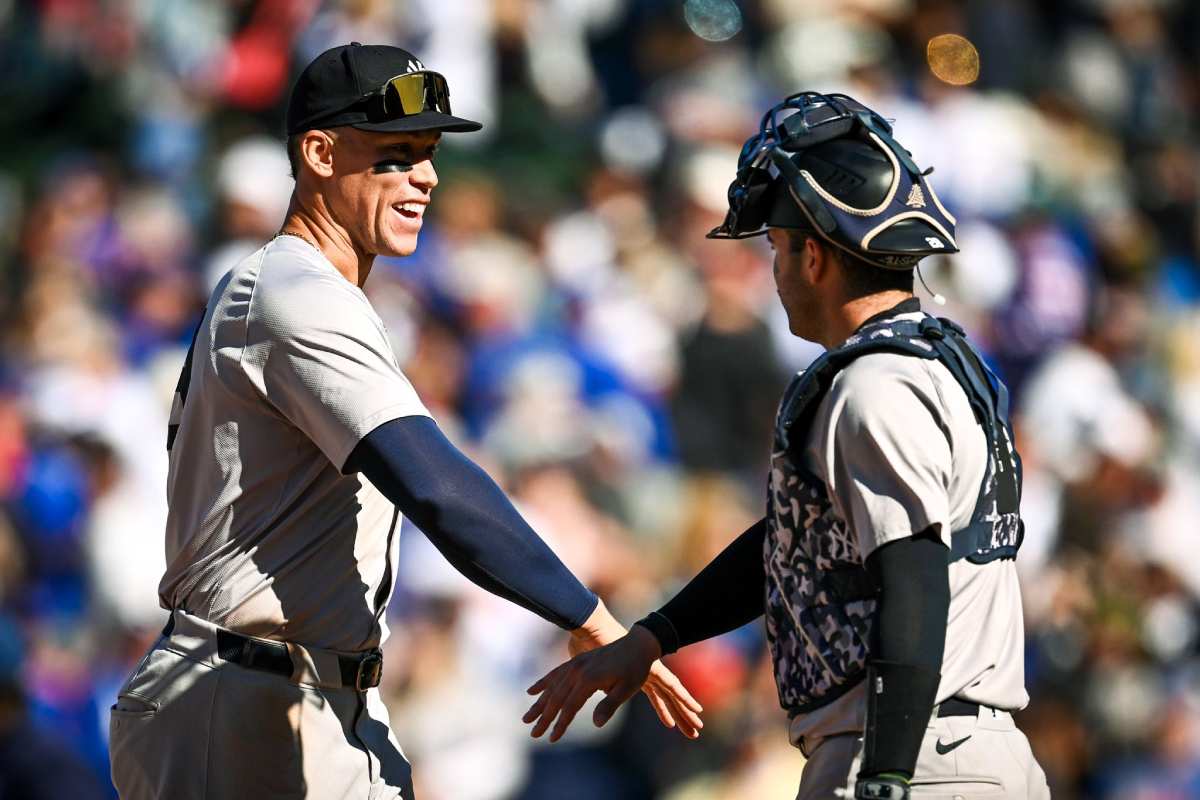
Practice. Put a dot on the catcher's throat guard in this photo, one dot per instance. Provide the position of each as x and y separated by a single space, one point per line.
829 164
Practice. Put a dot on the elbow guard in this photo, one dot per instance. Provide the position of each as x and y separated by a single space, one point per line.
900 700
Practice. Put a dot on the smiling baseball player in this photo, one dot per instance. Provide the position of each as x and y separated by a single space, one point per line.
885 562
296 443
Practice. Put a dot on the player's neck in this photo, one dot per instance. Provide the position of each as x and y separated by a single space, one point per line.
850 315
331 239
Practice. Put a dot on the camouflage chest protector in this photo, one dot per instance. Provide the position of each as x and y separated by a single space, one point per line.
820 605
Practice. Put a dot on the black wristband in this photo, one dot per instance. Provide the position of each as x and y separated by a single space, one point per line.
661 629
899 704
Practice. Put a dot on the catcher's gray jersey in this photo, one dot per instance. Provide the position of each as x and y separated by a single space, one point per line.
290 369
898 446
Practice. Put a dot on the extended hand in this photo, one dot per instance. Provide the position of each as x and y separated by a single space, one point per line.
618 669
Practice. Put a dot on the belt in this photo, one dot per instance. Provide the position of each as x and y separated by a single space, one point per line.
954 707
360 671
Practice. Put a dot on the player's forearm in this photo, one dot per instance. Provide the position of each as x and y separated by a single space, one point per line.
912 577
469 519
727 594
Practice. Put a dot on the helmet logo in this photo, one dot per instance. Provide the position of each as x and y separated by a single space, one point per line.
916 198
935 242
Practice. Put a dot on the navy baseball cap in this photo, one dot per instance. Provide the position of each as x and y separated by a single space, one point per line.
372 87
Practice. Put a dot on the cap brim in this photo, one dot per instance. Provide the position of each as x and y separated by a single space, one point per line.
425 121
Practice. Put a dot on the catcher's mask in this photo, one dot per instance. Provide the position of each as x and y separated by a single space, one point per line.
828 163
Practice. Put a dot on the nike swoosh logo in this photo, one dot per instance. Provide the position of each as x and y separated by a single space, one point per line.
942 749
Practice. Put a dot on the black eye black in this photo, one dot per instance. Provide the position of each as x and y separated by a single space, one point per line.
391 165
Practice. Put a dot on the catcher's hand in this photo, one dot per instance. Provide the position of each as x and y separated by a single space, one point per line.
619 669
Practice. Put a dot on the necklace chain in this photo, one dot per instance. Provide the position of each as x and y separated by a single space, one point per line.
299 236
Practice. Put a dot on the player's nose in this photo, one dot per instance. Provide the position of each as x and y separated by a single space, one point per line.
423 175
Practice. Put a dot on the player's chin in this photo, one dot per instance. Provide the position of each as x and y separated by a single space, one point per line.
398 243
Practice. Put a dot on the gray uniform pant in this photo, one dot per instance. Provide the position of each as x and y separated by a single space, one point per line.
961 758
189 725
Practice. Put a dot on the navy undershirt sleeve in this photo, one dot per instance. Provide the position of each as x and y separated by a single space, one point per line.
469 519
727 594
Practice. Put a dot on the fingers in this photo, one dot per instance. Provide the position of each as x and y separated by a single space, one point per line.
536 709
688 721
671 683
541 683
685 709
660 706
548 685
548 706
620 669
570 707
613 700
564 691
685 720
551 678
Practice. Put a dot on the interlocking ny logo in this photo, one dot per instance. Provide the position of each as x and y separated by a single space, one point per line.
916 198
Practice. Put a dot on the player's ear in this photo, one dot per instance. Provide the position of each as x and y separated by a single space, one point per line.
816 260
316 152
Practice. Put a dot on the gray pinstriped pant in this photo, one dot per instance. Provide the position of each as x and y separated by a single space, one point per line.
992 761
189 725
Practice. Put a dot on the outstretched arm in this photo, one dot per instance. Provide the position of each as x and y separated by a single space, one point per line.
474 525
469 519
727 594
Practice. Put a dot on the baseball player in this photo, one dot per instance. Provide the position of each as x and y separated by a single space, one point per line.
296 443
885 562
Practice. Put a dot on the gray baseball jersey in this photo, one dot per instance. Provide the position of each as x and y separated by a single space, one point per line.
291 368
898 446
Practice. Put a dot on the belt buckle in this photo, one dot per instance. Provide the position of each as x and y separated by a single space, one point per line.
370 671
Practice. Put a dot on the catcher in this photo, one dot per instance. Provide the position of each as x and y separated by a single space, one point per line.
884 565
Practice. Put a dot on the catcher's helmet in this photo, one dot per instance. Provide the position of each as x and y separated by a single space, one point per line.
832 166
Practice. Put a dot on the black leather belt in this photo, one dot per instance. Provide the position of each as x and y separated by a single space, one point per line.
362 671
955 707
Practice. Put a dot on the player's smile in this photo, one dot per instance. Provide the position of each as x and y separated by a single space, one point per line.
410 214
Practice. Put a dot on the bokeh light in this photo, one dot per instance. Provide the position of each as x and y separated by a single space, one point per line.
953 59
714 20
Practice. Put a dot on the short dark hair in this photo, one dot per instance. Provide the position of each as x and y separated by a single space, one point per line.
293 153
862 278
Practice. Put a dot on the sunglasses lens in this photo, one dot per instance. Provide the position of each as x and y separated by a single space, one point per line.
440 93
420 91
409 94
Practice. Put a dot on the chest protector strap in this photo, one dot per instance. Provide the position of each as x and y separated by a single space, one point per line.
995 530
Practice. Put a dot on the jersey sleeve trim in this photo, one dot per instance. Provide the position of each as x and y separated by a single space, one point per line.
368 424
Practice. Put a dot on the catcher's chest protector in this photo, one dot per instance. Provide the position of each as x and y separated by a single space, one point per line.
820 604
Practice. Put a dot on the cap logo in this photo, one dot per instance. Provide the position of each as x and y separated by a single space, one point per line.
416 66
916 198
933 241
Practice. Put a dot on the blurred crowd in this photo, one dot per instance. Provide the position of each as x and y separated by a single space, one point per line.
566 321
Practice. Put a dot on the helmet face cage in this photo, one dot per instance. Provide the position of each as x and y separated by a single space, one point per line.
765 168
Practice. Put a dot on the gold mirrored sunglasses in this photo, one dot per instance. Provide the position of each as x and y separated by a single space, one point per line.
413 93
